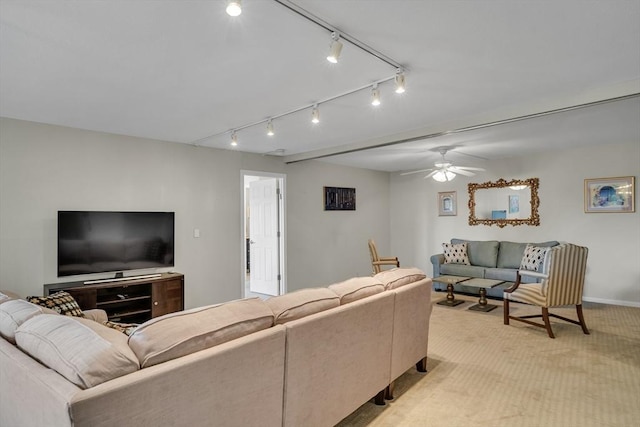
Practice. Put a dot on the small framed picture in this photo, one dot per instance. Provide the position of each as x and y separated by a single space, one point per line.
339 199
514 203
447 205
609 194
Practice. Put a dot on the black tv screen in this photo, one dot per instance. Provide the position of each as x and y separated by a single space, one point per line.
99 242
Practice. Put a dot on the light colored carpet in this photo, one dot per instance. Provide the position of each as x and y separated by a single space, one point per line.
483 373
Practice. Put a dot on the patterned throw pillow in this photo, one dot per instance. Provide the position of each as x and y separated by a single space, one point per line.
533 258
125 328
61 302
455 254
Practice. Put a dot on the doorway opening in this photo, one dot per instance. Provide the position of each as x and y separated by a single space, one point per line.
263 234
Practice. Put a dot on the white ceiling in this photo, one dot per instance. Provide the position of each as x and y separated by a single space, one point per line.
185 71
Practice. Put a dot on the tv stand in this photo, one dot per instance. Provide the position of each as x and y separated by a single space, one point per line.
128 299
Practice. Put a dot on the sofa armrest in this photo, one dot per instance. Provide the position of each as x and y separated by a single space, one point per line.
96 314
436 261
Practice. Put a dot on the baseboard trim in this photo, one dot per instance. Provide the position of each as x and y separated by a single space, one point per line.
612 302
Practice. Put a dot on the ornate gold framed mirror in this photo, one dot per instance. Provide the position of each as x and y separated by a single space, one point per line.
504 202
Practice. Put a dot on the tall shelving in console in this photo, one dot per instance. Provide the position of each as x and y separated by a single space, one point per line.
133 300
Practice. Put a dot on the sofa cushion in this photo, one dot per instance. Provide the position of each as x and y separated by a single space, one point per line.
62 302
14 313
483 253
397 277
298 304
184 332
511 253
462 270
7 295
357 288
455 253
533 257
83 351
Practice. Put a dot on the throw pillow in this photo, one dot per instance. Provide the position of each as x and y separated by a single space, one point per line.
61 302
455 253
533 258
125 328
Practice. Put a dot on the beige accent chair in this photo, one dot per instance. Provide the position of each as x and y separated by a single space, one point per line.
377 262
562 284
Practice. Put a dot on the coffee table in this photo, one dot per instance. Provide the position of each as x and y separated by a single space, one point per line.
483 285
451 300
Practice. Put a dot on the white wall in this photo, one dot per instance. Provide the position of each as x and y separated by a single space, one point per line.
45 168
613 239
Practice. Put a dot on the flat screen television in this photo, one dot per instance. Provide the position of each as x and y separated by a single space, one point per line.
99 242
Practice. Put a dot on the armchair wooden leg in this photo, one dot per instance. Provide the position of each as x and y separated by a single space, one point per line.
506 311
547 323
379 399
581 319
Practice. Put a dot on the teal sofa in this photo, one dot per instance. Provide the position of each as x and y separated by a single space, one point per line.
488 259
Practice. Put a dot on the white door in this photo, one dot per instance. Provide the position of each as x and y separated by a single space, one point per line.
264 236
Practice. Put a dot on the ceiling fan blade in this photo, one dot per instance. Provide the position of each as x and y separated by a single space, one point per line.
418 171
460 171
431 174
469 168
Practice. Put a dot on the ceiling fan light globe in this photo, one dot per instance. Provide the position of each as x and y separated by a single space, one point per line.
234 8
444 176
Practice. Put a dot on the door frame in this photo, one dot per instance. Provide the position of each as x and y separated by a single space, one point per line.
283 228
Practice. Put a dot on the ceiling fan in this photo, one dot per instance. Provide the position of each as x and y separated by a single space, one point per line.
445 170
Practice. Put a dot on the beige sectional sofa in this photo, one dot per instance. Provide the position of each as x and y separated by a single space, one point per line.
310 357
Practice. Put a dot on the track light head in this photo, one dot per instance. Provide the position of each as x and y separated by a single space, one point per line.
234 139
334 48
400 83
234 7
315 115
375 95
270 131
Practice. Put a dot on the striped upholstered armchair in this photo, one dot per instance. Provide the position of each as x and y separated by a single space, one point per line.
561 283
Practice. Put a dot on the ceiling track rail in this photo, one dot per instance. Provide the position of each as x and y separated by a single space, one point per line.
474 127
344 36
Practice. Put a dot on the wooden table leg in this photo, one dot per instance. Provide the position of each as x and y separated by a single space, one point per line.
451 300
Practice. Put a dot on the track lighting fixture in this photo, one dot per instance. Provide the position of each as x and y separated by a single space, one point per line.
270 128
315 115
375 95
234 7
400 82
234 139
335 48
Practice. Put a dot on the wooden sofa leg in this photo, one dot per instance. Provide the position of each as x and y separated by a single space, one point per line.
379 399
421 366
505 304
547 323
389 390
581 319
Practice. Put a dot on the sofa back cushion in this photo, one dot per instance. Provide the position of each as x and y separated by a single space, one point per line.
184 332
511 253
397 277
357 288
302 303
14 313
83 351
482 253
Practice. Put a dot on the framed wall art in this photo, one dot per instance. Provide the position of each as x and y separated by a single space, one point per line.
609 194
339 199
447 204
